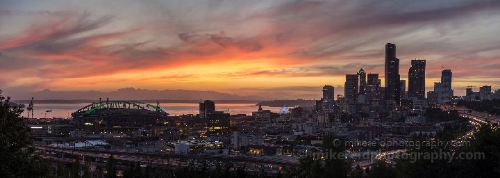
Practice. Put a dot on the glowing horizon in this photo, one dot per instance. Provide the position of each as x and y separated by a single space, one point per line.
245 48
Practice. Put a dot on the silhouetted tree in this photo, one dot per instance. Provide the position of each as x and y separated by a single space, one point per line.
382 170
16 145
357 172
334 165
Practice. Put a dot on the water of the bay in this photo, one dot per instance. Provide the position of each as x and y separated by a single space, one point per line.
64 110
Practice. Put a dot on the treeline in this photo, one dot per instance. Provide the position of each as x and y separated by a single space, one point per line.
490 106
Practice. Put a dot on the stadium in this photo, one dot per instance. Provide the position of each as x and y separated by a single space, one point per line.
119 116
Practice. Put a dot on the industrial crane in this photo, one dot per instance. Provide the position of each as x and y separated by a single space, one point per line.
30 108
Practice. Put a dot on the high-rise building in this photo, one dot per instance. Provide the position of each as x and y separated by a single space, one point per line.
361 81
484 92
443 88
373 79
327 102
351 88
446 77
392 83
416 79
218 123
402 89
328 92
468 91
373 90
206 108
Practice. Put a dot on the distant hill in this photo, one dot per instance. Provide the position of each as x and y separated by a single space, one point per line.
135 94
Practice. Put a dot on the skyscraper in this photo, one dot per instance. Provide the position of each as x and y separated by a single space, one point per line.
373 90
484 92
328 92
416 79
446 80
373 79
446 77
468 91
206 108
361 81
443 88
392 83
218 123
327 101
351 88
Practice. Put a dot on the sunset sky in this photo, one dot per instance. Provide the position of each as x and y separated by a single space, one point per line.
265 48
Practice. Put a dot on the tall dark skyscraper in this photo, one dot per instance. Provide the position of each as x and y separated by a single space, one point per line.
206 108
392 83
328 92
351 88
416 79
443 88
373 90
361 81
446 76
446 80
327 102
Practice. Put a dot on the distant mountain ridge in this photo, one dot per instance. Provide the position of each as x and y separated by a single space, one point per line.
135 94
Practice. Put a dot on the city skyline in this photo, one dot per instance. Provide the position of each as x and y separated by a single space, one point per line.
239 47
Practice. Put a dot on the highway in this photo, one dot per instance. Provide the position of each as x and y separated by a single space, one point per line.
125 159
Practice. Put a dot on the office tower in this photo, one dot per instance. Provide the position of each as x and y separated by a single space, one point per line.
361 81
328 92
351 88
373 79
218 123
484 92
446 77
206 108
327 102
373 90
443 88
392 84
441 93
402 88
416 79
468 91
